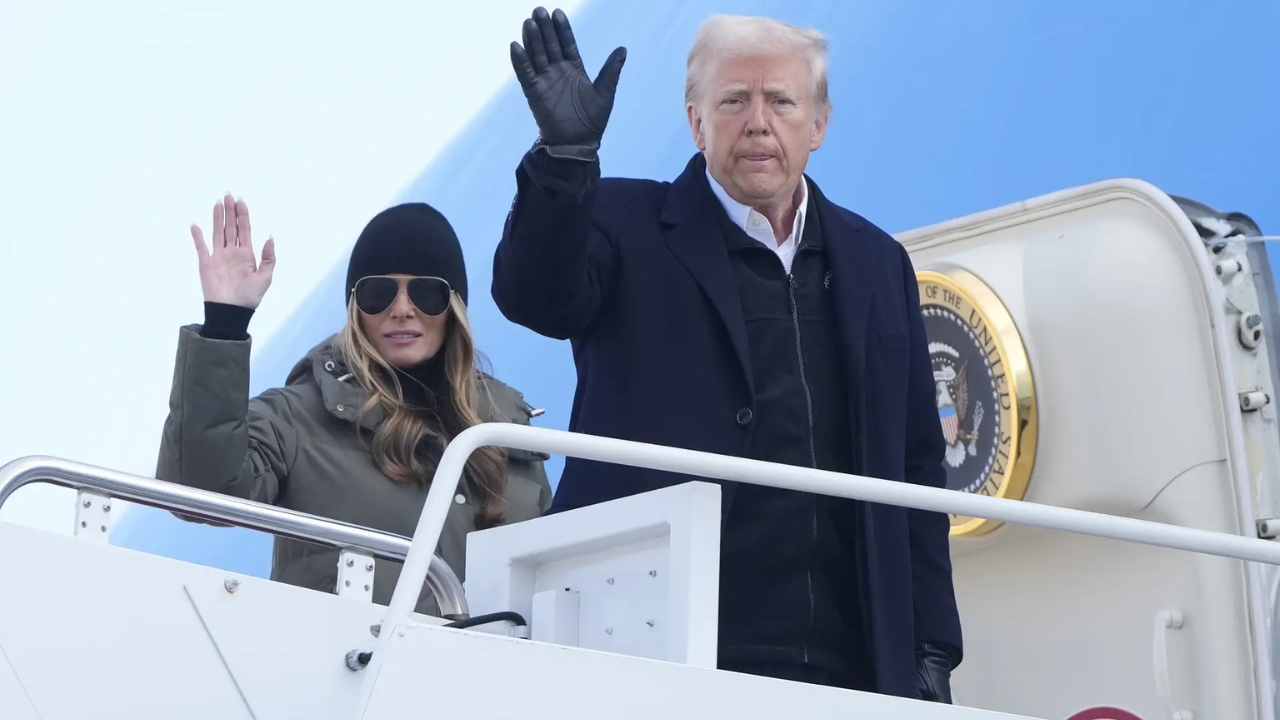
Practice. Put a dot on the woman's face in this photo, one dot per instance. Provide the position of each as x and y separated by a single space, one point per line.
404 334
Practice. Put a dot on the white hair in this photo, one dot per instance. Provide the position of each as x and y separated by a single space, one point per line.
722 36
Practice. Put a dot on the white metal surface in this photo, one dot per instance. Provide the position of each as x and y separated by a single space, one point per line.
115 634
243 618
101 632
490 677
554 616
1244 295
1139 370
14 699
637 576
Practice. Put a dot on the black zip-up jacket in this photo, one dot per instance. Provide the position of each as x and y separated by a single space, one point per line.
789 590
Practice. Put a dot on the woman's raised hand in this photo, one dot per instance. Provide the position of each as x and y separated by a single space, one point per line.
231 274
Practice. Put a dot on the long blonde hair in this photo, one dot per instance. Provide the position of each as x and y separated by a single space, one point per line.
397 438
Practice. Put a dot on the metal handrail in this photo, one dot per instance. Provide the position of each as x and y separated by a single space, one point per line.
202 504
790 477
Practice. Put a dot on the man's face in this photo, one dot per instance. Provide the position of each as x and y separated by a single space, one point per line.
756 123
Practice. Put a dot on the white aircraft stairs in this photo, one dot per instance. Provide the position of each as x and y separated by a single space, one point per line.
616 605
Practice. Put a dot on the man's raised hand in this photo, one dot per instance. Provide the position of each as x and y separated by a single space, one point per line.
230 274
570 109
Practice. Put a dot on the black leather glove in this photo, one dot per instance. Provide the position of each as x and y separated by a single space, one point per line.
571 110
933 673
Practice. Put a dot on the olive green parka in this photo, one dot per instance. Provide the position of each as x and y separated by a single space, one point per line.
297 447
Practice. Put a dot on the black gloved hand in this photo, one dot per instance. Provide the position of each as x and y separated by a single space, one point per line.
933 673
571 110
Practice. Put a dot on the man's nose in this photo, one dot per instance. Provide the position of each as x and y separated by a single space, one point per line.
758 117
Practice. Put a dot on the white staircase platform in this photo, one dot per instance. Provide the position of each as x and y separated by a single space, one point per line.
94 631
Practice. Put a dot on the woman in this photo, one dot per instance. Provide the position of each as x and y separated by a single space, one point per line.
357 430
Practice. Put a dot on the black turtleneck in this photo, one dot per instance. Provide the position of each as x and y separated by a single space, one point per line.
425 385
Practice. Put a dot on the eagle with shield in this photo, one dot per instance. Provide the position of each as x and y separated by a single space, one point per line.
953 404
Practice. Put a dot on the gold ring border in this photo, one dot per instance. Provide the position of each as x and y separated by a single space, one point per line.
1021 383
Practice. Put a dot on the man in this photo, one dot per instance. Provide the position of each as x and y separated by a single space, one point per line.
738 311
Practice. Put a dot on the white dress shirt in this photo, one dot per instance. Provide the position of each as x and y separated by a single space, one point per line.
757 225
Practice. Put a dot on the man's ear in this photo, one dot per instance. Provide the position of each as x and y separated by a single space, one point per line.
695 126
819 132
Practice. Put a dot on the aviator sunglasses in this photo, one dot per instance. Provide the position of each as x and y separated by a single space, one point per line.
375 294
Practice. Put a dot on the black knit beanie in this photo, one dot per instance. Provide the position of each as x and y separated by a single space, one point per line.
408 239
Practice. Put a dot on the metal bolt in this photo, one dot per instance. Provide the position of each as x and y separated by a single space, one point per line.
368 566
1253 320
357 660
231 584
653 573
366 588
400 632
348 583
1254 400
87 503
350 562
106 507
610 581
104 528
608 631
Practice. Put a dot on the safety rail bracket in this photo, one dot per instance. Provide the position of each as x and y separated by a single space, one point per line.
93 517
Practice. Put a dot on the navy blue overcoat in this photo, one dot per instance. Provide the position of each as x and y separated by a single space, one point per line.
637 276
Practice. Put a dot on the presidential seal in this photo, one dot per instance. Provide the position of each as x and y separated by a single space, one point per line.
984 389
